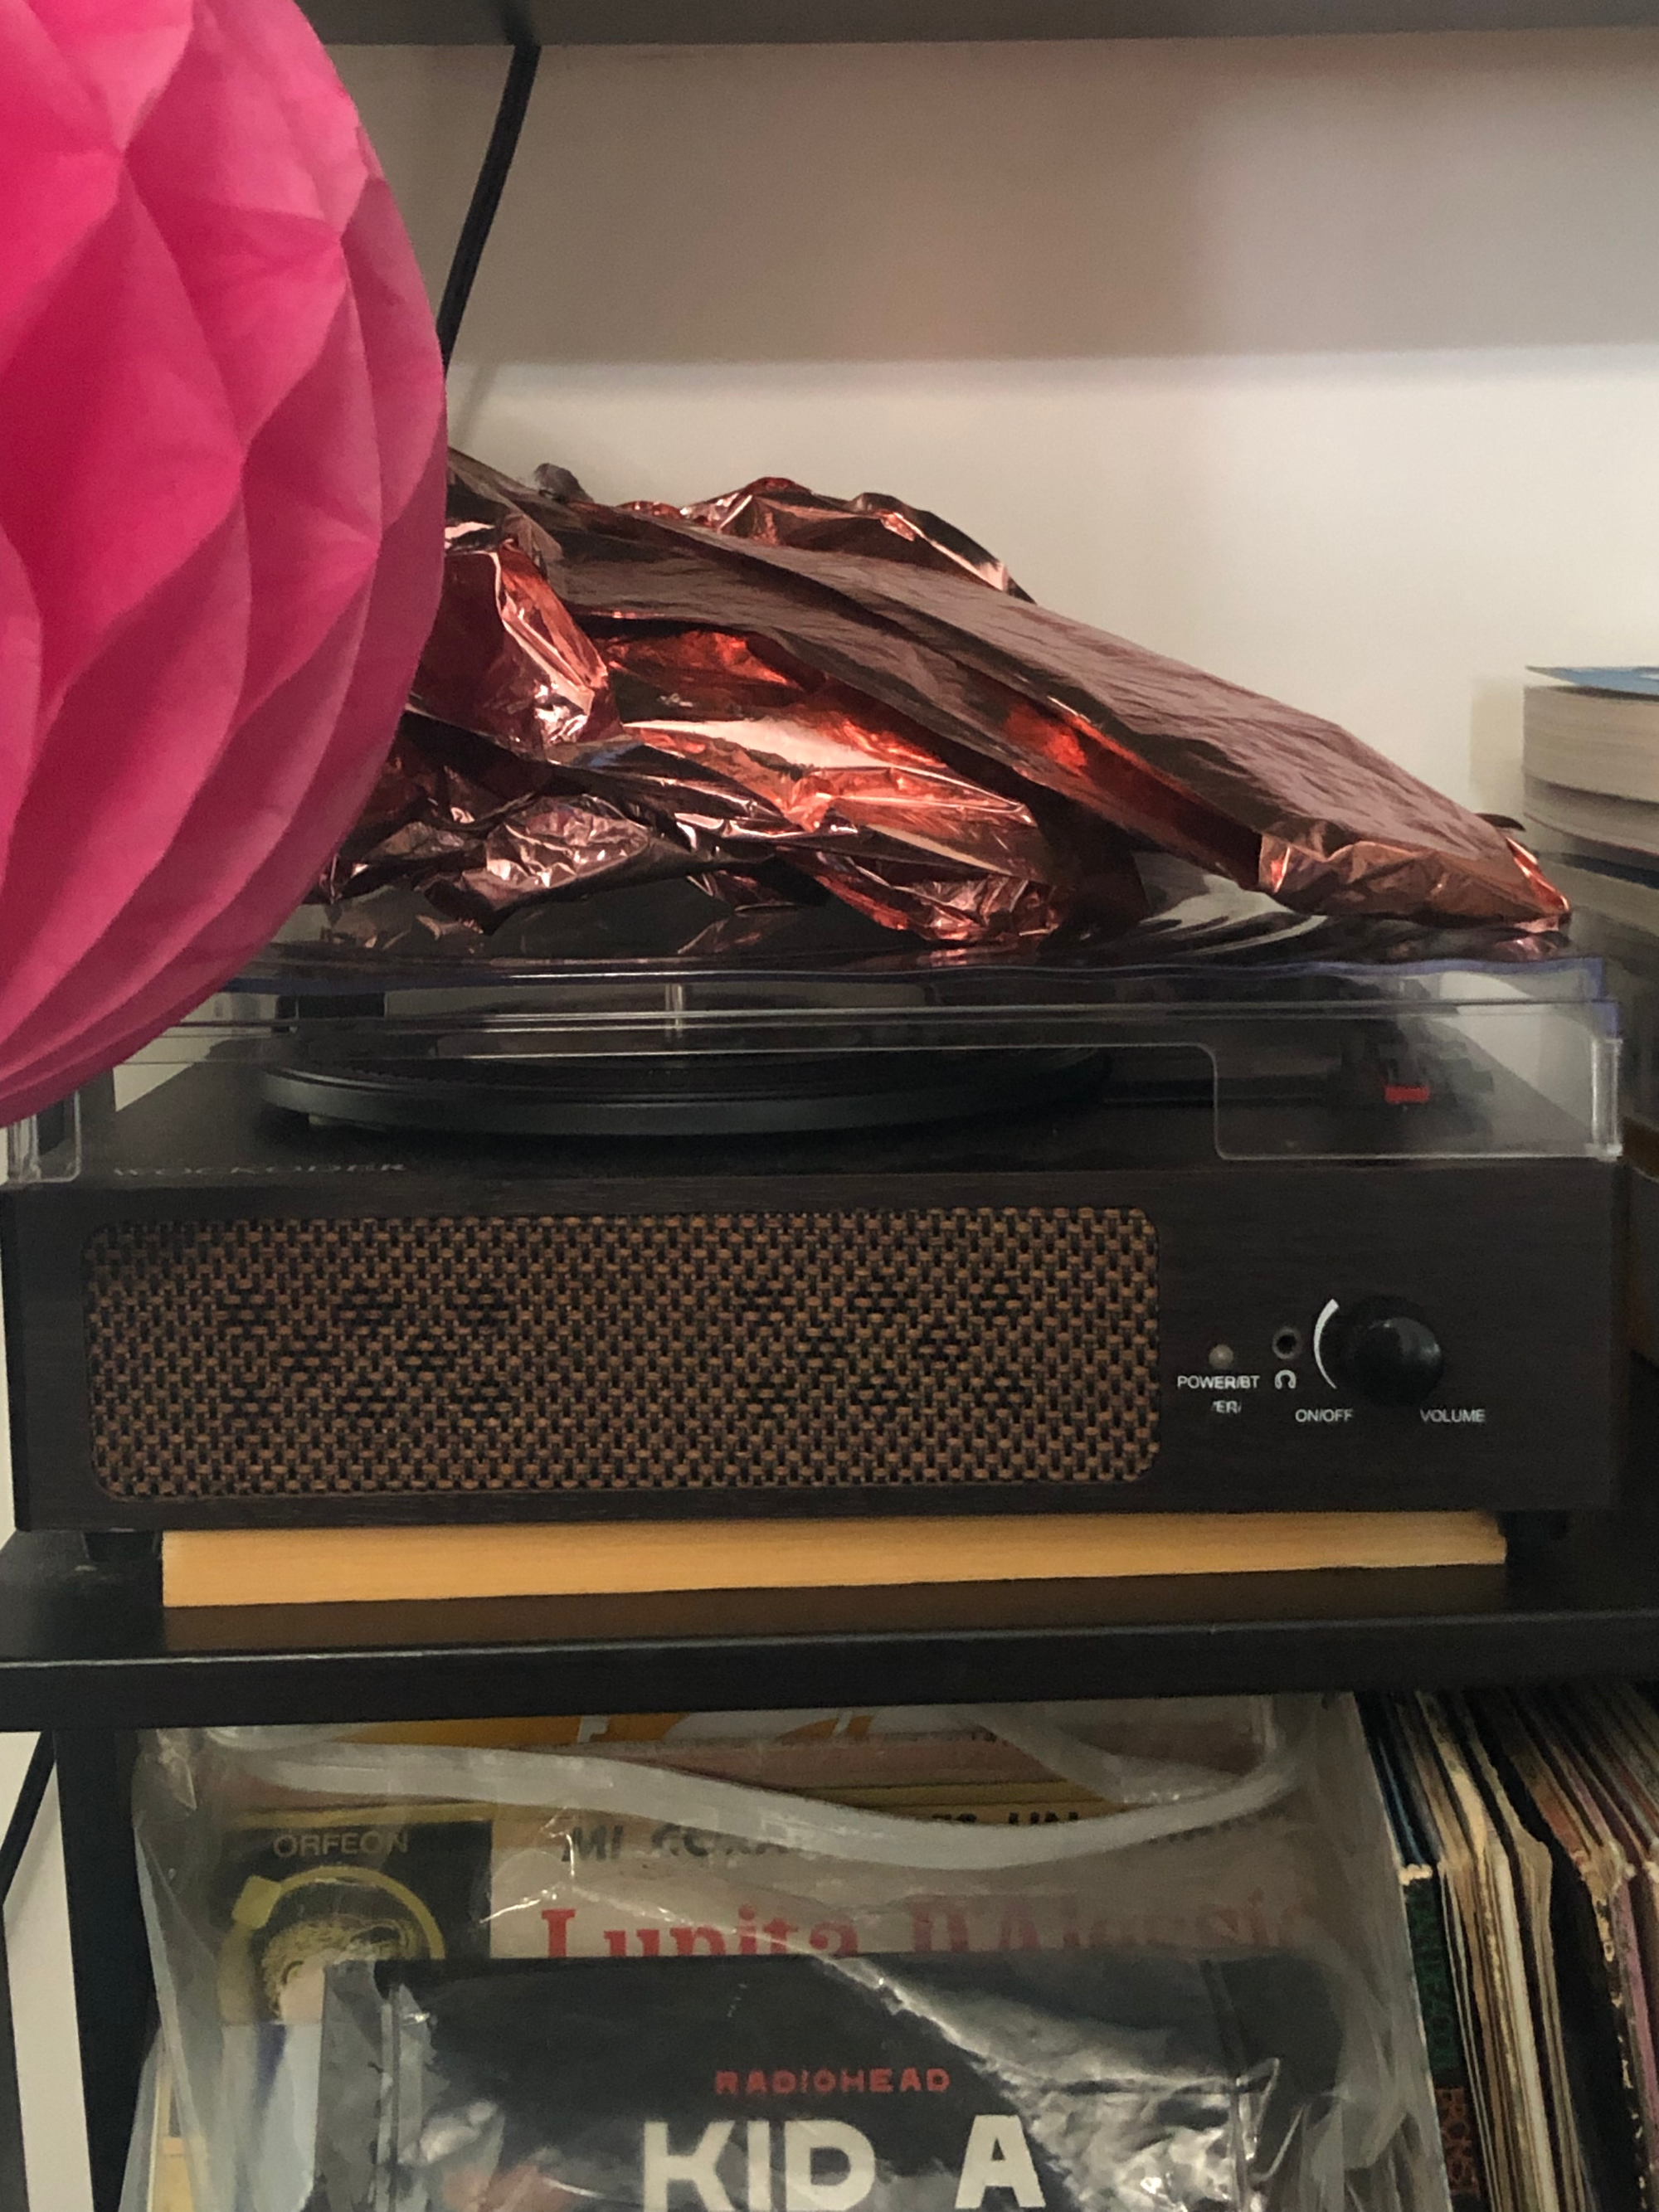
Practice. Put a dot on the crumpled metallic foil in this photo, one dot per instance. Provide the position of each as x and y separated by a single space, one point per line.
775 689
774 511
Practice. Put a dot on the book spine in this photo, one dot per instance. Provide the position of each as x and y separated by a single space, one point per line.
1459 2141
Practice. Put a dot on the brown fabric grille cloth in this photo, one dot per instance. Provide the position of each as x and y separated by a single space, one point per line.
971 1345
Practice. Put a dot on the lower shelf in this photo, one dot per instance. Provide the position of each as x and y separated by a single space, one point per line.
84 1642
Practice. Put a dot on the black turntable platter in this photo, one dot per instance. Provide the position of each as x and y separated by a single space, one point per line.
667 1094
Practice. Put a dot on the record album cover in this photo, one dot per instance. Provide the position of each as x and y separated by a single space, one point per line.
802 2084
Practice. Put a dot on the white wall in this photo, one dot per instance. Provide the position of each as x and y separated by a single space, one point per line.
1331 364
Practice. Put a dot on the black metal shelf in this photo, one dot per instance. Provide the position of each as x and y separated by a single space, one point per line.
802 22
87 1652
86 1644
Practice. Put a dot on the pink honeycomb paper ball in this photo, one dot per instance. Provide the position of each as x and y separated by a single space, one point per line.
220 505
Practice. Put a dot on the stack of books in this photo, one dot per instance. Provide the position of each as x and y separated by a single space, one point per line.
1590 752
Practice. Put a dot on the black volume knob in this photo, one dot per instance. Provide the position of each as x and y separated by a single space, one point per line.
1383 1350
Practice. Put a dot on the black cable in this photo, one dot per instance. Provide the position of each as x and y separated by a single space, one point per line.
24 1813
486 195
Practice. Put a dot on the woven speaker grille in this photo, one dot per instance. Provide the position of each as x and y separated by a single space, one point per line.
616 1353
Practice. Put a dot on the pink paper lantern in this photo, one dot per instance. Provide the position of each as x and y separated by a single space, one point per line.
220 505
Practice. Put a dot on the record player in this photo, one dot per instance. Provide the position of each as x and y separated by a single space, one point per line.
1241 1210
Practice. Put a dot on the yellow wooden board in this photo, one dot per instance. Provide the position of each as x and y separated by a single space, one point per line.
342 1566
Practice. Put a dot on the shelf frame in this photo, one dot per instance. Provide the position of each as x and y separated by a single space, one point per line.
84 1640
886 23
88 1654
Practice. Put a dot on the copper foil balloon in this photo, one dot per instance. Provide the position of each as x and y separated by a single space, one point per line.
856 692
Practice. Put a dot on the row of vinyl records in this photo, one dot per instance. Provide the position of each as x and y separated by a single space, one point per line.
1526 1828
1525 1832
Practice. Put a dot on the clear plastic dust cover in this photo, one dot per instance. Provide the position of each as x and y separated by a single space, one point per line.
652 1015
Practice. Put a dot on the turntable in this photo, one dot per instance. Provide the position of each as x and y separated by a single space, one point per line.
1239 1211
